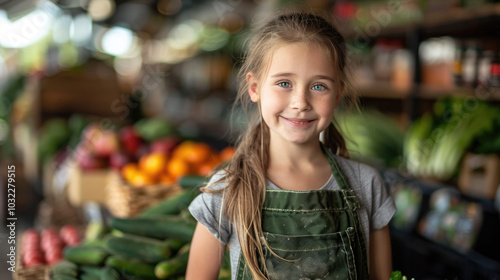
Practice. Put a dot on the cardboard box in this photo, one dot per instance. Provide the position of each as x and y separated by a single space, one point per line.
85 186
480 175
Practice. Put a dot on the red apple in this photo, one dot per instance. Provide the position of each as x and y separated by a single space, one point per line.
118 160
130 140
90 162
165 145
106 144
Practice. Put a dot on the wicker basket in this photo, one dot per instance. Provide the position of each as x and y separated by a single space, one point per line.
124 200
35 272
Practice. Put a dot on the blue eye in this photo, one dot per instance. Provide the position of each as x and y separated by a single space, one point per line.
318 87
284 84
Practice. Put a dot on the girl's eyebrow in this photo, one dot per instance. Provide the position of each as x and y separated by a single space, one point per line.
317 77
282 74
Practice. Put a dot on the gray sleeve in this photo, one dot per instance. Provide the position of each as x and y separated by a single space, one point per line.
382 206
206 209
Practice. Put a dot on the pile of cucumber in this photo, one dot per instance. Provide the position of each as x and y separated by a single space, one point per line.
153 245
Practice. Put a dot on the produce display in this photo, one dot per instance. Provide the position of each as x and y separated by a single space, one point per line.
46 247
408 202
436 143
166 162
452 221
153 245
373 137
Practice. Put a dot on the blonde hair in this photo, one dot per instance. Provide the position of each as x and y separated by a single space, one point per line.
245 174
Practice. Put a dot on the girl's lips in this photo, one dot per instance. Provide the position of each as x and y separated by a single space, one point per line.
299 122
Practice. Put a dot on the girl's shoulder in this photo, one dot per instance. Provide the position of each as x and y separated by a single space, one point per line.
217 181
356 170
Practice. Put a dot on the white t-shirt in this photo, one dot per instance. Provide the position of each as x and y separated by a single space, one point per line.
377 206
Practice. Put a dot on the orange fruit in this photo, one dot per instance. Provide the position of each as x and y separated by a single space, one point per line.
194 153
227 153
167 179
129 170
153 164
141 179
183 149
205 168
177 167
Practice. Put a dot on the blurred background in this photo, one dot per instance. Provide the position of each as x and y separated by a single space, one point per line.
106 104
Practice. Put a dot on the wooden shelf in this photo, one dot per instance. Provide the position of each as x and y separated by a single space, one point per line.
381 90
458 22
384 90
482 93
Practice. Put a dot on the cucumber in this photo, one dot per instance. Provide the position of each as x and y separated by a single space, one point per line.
132 267
65 268
87 276
109 273
173 267
94 231
170 206
63 277
91 271
85 255
98 244
175 244
143 248
192 182
156 227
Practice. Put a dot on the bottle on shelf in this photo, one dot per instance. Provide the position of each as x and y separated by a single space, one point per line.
469 66
457 64
484 68
494 79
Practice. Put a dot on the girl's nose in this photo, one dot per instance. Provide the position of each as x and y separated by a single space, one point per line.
300 100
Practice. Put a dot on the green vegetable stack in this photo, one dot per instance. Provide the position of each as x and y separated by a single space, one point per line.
436 143
372 137
153 245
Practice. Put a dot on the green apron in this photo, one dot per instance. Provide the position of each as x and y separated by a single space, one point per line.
317 232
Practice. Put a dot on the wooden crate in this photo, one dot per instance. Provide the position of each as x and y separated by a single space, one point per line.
85 186
124 200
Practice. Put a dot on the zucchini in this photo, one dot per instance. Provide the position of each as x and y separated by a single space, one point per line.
132 267
143 248
109 273
173 267
62 277
170 206
85 255
192 182
156 227
65 268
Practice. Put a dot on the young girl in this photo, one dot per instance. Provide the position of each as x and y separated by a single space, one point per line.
286 206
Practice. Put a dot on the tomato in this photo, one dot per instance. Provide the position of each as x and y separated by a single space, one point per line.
53 256
30 260
69 234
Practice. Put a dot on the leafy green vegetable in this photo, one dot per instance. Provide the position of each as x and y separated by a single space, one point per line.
435 144
151 129
371 136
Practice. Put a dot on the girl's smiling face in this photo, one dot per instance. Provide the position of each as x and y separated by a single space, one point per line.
298 94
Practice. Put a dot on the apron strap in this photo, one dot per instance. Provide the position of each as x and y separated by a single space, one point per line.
337 174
